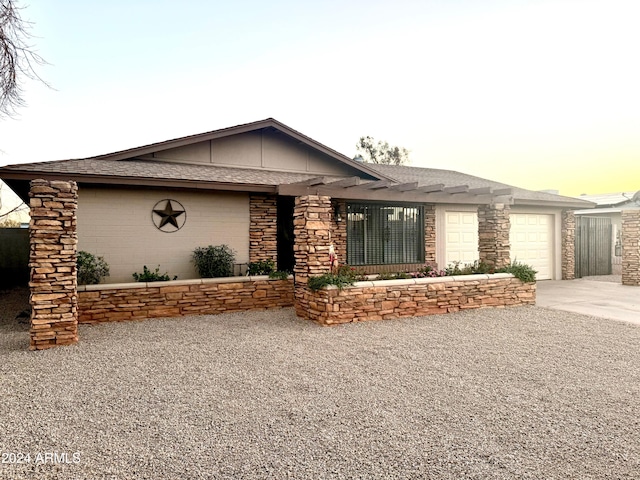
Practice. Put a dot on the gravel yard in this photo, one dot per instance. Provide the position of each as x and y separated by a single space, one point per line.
498 393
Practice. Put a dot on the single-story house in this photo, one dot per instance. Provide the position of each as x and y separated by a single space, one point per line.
153 205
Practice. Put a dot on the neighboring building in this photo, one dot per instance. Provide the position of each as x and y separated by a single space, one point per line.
153 205
607 215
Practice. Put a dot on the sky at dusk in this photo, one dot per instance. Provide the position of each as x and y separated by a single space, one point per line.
537 94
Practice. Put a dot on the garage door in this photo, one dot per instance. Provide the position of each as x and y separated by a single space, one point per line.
461 237
531 239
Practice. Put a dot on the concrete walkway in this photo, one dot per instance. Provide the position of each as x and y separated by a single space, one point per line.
600 299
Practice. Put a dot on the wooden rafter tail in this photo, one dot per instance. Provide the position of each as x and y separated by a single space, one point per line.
503 191
377 185
312 181
405 187
481 191
436 187
456 189
345 182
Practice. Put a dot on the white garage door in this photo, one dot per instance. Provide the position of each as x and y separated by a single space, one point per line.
461 237
531 239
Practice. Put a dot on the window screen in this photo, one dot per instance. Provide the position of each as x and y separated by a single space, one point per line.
384 234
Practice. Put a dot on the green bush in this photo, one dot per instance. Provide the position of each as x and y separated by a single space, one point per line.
340 281
456 268
262 267
522 271
279 275
393 276
214 261
91 268
149 276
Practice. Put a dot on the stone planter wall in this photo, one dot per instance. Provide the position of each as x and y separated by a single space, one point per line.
138 301
382 300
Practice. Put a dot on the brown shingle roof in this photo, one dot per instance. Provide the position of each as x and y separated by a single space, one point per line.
450 178
151 169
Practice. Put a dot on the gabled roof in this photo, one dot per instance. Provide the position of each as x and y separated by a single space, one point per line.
238 129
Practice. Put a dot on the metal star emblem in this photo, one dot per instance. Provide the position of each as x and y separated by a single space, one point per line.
168 215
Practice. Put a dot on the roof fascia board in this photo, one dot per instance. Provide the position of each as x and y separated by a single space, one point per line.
142 181
553 203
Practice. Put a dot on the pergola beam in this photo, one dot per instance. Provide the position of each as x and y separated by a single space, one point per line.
456 189
481 191
436 187
377 185
345 182
404 187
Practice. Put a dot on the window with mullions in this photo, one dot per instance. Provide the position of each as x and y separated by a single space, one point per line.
384 234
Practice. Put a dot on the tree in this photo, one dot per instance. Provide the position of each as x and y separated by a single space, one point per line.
17 58
382 152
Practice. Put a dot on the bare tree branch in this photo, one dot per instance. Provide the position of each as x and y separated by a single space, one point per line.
18 60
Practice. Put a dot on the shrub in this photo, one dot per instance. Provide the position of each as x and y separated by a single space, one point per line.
456 268
340 281
428 271
91 268
279 275
522 271
262 267
149 276
393 276
214 261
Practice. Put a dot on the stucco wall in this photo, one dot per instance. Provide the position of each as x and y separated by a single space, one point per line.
117 224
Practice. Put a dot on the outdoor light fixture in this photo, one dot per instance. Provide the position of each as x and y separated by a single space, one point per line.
337 216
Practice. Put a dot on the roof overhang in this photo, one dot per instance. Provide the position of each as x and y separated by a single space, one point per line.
19 182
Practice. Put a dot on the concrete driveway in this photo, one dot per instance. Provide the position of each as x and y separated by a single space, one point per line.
599 299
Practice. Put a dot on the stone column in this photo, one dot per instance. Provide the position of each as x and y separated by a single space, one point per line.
568 251
263 228
312 227
430 233
493 234
631 247
52 258
339 229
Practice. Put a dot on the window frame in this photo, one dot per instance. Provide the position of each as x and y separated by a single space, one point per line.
383 248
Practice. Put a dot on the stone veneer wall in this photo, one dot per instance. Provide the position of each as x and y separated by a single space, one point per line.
631 247
430 233
390 299
493 234
52 259
311 226
263 228
138 301
568 245
339 230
